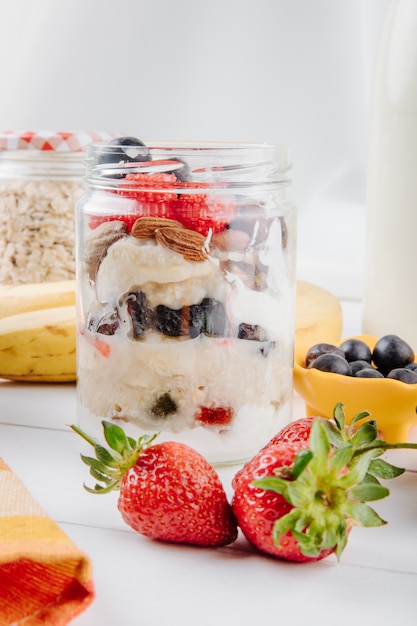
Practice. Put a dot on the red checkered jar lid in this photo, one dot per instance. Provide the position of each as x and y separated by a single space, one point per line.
51 140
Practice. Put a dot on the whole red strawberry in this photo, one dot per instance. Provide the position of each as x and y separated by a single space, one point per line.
299 501
258 509
168 491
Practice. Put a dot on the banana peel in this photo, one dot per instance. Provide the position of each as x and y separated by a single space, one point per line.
35 296
39 346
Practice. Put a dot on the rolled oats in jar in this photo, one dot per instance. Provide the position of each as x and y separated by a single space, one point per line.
41 178
186 293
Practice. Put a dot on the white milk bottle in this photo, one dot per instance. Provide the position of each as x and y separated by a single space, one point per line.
390 298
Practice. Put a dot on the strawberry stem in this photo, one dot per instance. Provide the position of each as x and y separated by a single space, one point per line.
383 445
82 434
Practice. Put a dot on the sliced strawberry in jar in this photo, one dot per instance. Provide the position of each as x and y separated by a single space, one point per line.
215 415
150 188
156 195
204 212
153 194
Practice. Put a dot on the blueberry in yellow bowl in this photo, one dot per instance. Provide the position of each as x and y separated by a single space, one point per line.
363 373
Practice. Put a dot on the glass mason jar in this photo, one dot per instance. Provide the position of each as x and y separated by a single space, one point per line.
41 178
186 294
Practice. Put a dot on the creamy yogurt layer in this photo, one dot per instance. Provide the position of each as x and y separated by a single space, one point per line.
132 262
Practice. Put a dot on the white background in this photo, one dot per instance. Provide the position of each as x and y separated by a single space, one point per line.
287 71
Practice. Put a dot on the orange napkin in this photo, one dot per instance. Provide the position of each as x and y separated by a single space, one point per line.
44 577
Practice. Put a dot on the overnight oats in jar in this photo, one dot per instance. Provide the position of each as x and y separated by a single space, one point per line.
186 293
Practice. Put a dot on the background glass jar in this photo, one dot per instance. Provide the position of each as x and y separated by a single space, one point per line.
186 294
41 178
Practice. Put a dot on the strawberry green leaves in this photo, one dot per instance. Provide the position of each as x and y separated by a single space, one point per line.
330 484
362 437
367 492
302 459
110 466
382 469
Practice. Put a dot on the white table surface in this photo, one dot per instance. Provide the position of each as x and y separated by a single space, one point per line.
139 581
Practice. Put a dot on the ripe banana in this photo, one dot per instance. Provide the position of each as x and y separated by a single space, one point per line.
318 318
39 346
34 296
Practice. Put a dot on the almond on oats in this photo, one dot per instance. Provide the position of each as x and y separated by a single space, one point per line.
145 227
187 242
98 242
230 240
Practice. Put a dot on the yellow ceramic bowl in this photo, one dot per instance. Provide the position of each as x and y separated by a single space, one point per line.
392 403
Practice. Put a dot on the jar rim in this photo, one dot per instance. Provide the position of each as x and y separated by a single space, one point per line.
278 150
219 163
